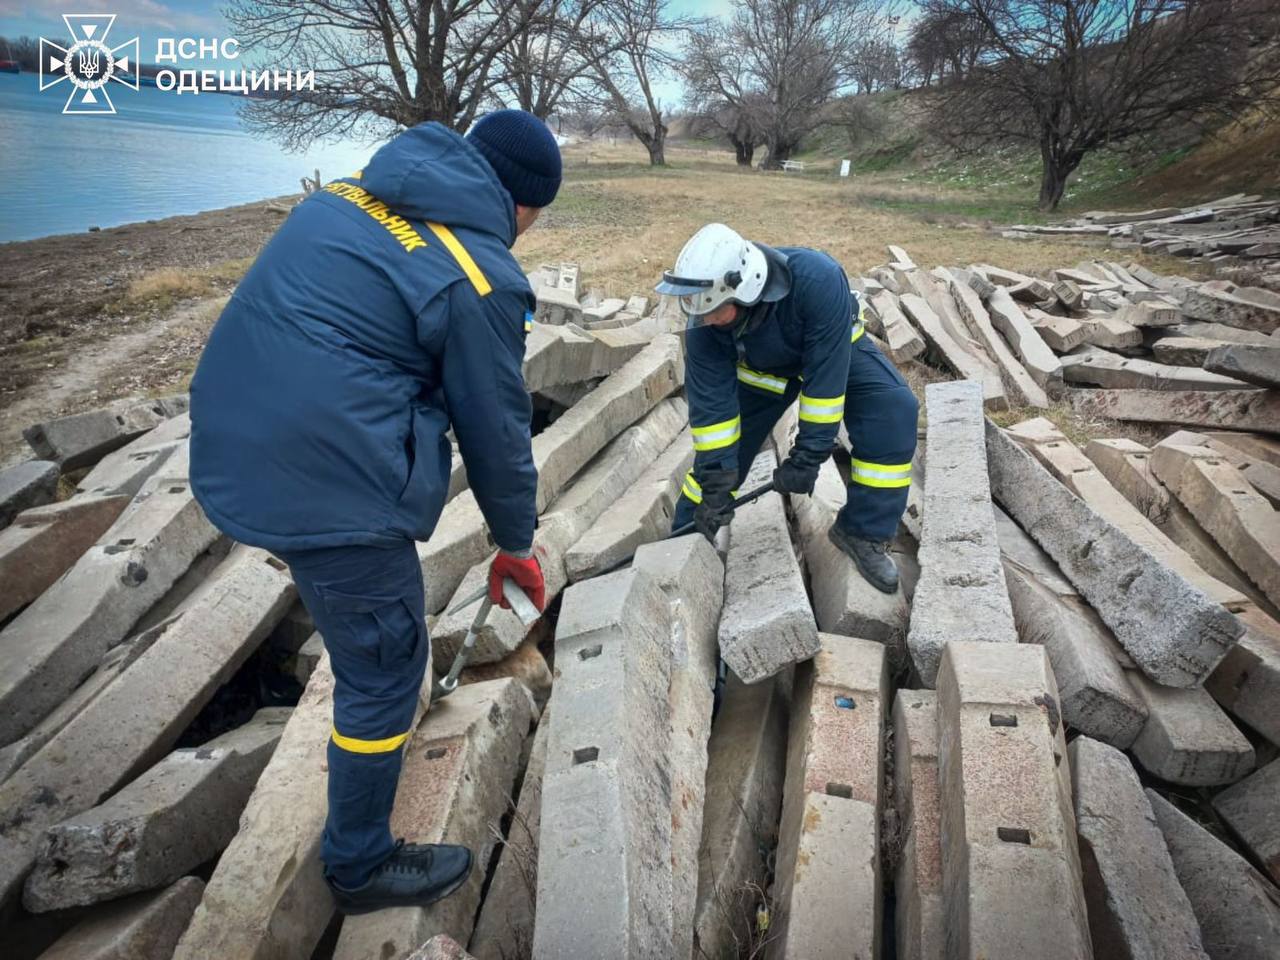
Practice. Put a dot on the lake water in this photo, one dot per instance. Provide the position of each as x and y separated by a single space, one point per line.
159 155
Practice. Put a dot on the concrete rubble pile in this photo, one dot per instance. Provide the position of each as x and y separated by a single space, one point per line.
1058 739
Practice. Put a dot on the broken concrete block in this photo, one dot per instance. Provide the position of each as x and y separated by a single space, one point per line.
30 484
1251 808
179 814
44 542
526 664
961 594
83 439
1171 629
1010 864
1097 698
689 572
1019 285
1220 332
459 768
441 947
1102 330
143 927
1060 333
1127 466
1020 385
125 470
606 806
1234 904
1263 477
55 642
1137 908
1238 517
640 515
1232 409
1150 313
1094 366
1183 351
1065 461
556 306
556 356
955 355
605 310
1219 306
745 773
1260 365
504 927
460 540
1027 344
1187 739
919 910
1069 294
843 601
1247 681
1260 448
887 322
133 723
827 892
610 474
766 623
307 658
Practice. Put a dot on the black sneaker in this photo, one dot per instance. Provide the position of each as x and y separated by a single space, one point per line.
871 557
415 875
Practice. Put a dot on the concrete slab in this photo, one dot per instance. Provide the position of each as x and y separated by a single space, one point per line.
1027 344
1097 698
504 927
745 774
1150 313
689 572
606 805
137 719
1021 286
1236 515
83 439
1094 367
125 470
1234 904
53 644
1060 333
1219 306
142 927
1263 449
843 601
44 542
887 321
557 306
1137 908
25 485
1247 681
1220 332
919 909
1183 351
556 356
766 623
1103 330
1011 868
1251 809
827 900
1021 387
460 541
1233 409
955 355
640 515
1187 739
441 947
961 594
176 816
459 769
1065 461
1172 630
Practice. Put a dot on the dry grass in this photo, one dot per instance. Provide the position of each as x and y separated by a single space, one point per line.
623 221
161 289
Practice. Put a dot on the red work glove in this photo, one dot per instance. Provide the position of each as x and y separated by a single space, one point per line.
525 571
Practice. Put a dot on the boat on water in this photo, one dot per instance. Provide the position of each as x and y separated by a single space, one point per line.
9 66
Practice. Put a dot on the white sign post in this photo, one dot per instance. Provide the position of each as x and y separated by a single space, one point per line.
844 168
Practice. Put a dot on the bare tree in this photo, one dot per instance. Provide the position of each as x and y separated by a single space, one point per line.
876 64
380 65
947 40
719 91
627 45
545 58
1072 76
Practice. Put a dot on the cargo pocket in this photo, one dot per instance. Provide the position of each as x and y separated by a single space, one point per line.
377 629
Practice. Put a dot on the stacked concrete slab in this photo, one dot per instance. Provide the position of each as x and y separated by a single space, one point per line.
920 912
26 485
83 439
1011 869
961 594
140 927
827 895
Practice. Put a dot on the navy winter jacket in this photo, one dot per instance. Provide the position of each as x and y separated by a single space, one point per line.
386 309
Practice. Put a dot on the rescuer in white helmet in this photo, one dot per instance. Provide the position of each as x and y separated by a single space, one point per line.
767 327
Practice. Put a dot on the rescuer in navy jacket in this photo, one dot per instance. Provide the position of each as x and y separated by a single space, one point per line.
386 310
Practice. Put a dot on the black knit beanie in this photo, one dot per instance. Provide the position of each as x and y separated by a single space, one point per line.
522 152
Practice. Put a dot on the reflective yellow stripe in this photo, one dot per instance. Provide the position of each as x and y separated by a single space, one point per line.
881 474
356 745
455 247
821 409
764 381
858 331
717 435
691 488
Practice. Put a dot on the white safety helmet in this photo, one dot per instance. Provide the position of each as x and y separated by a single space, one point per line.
715 266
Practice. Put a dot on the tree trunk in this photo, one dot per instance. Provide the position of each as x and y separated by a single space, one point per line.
742 150
657 146
1057 167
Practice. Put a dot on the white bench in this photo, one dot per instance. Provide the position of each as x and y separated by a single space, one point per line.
793 165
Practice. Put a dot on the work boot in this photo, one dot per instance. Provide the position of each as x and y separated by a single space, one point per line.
871 557
415 875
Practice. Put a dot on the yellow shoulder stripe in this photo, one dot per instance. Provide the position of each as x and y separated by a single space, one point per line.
455 247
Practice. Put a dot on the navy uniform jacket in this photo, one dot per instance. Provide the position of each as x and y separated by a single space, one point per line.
386 309
806 334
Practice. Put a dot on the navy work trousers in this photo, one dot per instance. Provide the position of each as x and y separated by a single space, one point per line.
880 413
368 604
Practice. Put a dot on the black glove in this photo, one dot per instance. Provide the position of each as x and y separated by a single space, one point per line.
716 508
795 477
